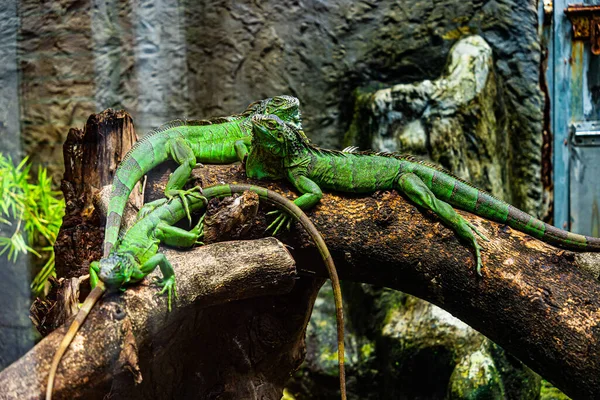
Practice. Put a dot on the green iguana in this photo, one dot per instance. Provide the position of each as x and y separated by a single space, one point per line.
285 151
136 255
187 142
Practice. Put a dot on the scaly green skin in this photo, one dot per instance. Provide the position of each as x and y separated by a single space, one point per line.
276 146
216 141
135 256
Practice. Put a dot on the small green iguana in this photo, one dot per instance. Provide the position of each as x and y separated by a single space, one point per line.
187 142
285 151
136 255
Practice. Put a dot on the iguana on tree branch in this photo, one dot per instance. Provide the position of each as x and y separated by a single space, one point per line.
187 142
280 151
136 255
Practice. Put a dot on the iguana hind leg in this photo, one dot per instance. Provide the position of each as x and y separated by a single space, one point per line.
416 190
149 207
177 237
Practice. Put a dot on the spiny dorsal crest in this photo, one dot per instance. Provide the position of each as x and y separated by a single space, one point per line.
198 122
413 159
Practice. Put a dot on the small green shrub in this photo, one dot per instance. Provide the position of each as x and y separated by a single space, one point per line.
31 215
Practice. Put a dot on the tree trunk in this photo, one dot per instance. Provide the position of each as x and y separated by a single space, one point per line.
91 159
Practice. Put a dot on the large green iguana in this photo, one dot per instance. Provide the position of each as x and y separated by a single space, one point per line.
136 255
187 142
283 150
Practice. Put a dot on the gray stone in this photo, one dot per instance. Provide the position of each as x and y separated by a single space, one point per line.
456 120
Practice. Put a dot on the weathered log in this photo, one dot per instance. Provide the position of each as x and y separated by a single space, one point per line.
225 350
533 299
134 327
91 158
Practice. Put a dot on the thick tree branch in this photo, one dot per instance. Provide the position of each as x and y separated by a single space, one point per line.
533 299
237 349
130 328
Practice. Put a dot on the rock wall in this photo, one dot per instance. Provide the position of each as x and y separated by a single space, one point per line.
457 120
166 59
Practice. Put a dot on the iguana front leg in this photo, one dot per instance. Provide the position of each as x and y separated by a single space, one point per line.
94 269
241 148
180 151
167 283
416 190
311 195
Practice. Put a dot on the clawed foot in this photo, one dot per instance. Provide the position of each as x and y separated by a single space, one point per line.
167 285
281 220
199 231
477 247
195 192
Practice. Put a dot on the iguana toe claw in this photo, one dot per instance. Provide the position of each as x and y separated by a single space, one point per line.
195 192
478 257
474 228
168 285
281 223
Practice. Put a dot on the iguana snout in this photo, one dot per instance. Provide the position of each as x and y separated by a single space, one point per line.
115 270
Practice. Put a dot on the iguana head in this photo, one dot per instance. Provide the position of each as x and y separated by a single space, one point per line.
115 270
277 137
287 108
265 159
269 133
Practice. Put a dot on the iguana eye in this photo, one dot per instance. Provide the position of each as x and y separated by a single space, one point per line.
272 124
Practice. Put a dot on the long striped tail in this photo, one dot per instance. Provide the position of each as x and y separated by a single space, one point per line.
524 222
134 166
464 196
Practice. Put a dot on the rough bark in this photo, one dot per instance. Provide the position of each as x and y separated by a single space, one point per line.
210 345
533 299
458 121
130 337
91 158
